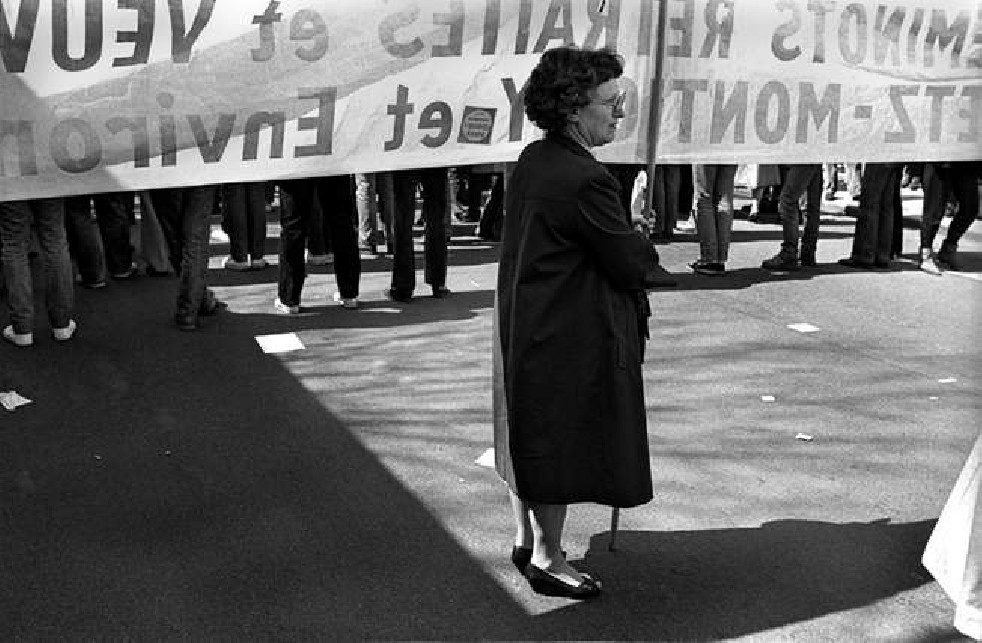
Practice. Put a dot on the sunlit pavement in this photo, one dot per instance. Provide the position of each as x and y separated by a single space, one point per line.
188 485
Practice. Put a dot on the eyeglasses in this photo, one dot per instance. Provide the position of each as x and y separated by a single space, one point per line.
615 103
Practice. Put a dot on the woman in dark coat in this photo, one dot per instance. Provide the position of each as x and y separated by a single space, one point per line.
572 319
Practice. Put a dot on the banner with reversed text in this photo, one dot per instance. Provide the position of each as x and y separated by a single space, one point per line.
101 95
820 80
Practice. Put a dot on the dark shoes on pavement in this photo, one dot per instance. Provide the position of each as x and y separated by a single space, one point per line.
852 262
708 268
781 262
542 582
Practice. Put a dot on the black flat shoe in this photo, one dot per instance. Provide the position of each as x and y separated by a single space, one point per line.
542 582
522 556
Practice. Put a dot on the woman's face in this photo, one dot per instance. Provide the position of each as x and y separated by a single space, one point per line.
596 123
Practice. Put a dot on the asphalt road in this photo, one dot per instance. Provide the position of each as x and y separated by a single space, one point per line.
168 485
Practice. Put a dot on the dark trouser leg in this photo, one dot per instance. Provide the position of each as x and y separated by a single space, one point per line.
872 201
294 224
236 220
115 213
813 212
492 216
167 204
964 183
85 239
935 186
338 203
795 183
255 199
403 217
434 181
198 203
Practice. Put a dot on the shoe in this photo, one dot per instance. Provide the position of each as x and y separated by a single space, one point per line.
852 262
522 556
946 258
186 322
542 582
238 266
348 302
881 265
126 274
17 339
319 260
928 262
781 261
284 309
218 236
154 272
210 304
66 333
707 268
93 285
807 258
259 264
398 295
440 292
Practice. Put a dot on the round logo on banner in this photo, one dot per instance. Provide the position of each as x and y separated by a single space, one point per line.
476 125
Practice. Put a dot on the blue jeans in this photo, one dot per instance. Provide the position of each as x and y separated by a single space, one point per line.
184 215
807 180
245 212
714 184
873 240
48 218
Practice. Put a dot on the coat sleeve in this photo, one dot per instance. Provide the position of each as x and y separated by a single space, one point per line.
626 256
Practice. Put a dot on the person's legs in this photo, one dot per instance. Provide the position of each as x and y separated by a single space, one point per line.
864 241
523 523
337 201
153 247
294 224
434 181
255 201
115 213
236 224
795 183
59 287
813 216
367 205
85 241
723 206
885 215
704 179
964 184
403 217
167 206
197 206
547 552
489 228
15 239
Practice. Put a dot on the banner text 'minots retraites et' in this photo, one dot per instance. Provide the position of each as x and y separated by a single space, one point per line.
102 95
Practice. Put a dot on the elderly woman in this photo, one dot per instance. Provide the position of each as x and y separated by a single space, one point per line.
572 319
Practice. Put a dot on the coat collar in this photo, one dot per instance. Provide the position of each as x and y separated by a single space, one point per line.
570 144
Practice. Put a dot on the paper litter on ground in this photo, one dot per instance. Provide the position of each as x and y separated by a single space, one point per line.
804 437
486 459
280 343
804 328
11 400
767 398
947 380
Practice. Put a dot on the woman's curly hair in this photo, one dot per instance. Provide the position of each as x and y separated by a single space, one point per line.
559 84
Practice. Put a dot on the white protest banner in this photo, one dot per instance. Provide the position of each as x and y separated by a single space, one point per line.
821 80
107 95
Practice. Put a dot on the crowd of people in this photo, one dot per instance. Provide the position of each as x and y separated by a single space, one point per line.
88 240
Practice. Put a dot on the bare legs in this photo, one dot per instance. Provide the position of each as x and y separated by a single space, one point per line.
541 528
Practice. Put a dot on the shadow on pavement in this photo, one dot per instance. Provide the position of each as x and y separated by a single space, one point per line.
720 584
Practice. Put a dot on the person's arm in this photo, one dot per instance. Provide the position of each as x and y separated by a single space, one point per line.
626 256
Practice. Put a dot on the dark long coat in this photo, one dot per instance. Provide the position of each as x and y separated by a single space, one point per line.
571 321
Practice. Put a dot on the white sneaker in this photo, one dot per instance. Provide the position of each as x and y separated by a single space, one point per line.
218 236
17 339
283 309
66 333
240 266
259 264
929 263
347 302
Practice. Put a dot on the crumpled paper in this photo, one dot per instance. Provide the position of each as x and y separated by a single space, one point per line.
12 399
